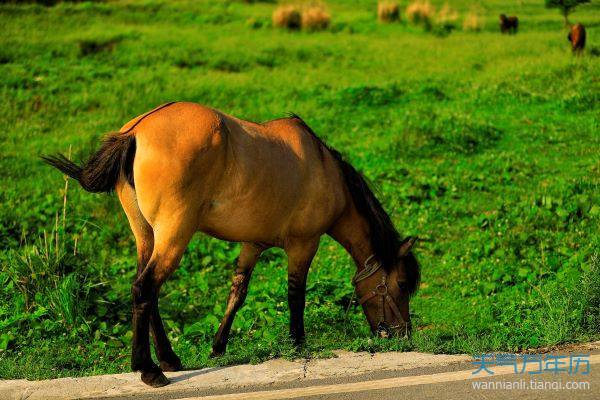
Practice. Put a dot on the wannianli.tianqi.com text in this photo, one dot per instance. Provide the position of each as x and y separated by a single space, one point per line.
531 384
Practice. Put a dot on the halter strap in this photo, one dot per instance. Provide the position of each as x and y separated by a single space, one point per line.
380 290
386 297
367 271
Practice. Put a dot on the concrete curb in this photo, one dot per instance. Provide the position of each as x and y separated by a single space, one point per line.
344 364
274 371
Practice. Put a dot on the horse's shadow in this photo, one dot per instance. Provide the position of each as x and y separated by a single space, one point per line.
191 373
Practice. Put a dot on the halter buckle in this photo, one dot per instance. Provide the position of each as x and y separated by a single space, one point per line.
381 289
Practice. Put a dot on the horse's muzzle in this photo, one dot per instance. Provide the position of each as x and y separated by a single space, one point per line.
402 330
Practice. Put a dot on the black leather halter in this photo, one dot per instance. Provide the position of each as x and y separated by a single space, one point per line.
380 290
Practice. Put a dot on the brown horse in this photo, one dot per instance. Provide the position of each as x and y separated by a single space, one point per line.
577 38
183 168
509 24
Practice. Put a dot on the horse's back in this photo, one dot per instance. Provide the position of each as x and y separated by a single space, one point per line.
282 175
234 179
181 127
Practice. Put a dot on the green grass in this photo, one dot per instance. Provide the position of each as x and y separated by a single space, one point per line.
485 145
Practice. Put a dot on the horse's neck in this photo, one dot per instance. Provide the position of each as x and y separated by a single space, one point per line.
352 232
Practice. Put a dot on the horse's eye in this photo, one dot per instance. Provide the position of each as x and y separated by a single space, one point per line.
402 285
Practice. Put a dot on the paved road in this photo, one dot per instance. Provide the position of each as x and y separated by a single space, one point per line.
353 376
445 382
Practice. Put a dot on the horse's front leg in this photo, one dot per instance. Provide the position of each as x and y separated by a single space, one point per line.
247 259
300 255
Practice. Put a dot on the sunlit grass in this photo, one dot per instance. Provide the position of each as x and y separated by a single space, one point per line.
483 144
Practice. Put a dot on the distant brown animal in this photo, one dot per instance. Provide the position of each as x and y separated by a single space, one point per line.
183 167
509 24
577 38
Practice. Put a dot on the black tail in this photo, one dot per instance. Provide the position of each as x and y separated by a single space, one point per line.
102 170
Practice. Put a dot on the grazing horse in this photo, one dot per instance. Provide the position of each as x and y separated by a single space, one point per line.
509 24
577 38
183 168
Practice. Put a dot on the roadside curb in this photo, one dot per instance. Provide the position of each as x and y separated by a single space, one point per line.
345 364
237 377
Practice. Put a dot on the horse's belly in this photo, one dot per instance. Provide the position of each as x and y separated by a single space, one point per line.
265 223
241 223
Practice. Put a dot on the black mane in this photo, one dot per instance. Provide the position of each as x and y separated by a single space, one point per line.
385 239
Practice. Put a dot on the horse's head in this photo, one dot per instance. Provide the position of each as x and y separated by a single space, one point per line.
385 293
503 17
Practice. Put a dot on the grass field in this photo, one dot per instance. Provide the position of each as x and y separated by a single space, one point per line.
485 145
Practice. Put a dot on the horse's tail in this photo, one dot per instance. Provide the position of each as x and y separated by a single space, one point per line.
102 170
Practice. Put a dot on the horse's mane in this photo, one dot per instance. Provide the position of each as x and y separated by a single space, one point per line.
385 239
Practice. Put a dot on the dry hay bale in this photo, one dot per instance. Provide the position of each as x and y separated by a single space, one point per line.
473 22
447 16
421 13
315 17
287 16
388 11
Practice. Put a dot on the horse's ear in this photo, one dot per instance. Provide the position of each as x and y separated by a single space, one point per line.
406 246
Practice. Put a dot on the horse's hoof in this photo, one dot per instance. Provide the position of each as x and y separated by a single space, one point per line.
217 352
171 365
298 341
155 379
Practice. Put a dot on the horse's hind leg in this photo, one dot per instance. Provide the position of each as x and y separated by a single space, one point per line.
144 238
247 259
170 242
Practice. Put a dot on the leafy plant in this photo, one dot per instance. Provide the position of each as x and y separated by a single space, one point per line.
591 295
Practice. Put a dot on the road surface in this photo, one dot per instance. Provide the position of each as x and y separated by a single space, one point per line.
349 376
